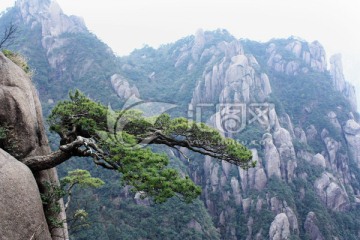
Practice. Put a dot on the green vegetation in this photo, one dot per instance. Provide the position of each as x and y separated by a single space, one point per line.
118 149
2 133
55 192
19 60
78 219
50 199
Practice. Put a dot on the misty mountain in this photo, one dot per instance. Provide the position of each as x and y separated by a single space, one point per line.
280 98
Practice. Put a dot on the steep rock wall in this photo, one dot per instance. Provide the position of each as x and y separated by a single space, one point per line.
21 116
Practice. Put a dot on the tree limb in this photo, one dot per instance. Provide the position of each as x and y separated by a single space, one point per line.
65 152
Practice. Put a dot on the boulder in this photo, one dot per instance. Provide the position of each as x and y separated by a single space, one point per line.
318 160
332 194
21 212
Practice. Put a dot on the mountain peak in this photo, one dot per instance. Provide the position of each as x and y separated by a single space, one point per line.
50 16
33 7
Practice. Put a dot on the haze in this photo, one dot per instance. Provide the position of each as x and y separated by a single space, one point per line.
126 25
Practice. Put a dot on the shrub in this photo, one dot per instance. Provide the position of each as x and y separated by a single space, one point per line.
19 60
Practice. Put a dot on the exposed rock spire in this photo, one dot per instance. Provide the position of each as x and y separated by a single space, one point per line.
50 16
339 82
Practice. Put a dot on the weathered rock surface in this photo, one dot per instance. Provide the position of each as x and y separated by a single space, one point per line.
272 157
233 79
352 135
21 211
122 87
57 35
318 160
198 46
331 193
332 147
253 178
280 228
21 115
49 15
284 145
20 112
339 82
232 76
236 191
296 57
333 120
294 225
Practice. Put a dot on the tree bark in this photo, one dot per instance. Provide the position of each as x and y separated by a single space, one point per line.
39 163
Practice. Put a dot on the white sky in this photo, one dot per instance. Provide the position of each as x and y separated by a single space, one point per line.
128 24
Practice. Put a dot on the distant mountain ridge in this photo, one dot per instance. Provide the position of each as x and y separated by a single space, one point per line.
306 184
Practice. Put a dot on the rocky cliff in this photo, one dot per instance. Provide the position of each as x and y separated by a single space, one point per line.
339 82
22 213
51 40
298 117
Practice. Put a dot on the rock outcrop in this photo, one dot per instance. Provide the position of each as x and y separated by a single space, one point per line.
352 135
339 82
297 57
122 87
21 116
233 80
280 228
331 192
49 15
66 47
254 178
21 211
20 112
272 157
233 76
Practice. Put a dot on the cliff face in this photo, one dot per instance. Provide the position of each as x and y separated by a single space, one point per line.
20 112
339 82
299 119
21 117
51 41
